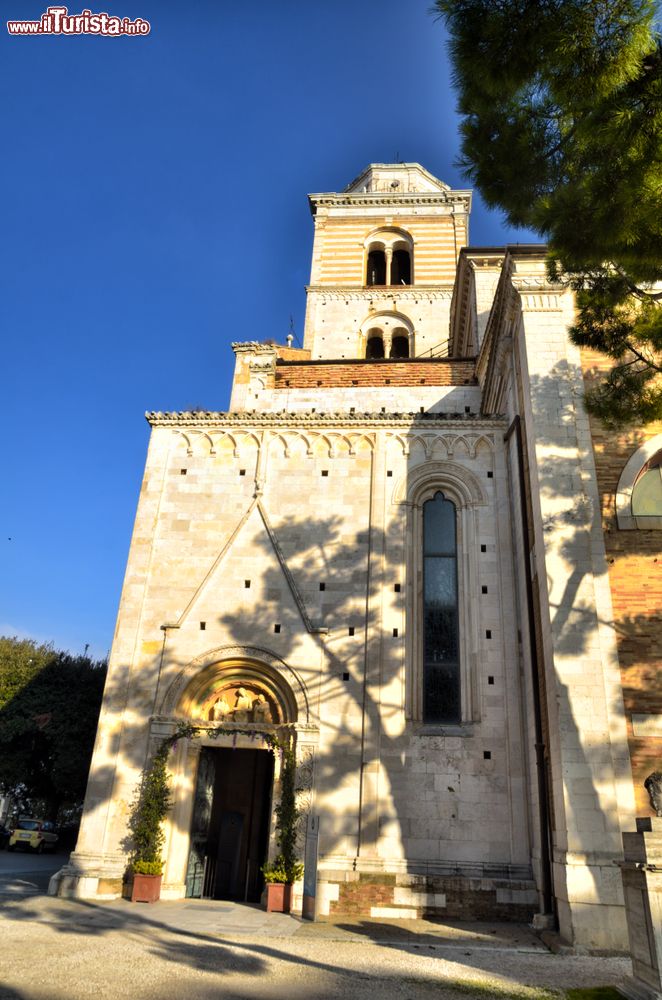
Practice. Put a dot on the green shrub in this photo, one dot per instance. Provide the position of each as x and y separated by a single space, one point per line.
286 867
278 871
150 811
147 867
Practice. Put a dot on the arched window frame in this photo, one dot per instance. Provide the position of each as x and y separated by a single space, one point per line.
389 240
633 468
464 490
389 323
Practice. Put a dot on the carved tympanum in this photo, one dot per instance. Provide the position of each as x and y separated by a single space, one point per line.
653 785
245 702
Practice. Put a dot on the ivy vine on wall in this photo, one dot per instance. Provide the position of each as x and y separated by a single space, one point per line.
154 801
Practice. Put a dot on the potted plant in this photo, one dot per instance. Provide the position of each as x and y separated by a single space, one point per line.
146 881
147 829
281 873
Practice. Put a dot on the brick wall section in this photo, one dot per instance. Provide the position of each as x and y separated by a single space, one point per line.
635 576
378 373
292 353
466 898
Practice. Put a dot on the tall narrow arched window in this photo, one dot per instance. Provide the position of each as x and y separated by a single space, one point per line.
401 268
441 659
376 271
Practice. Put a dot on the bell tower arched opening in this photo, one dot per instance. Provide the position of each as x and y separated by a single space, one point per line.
401 266
375 345
376 272
399 344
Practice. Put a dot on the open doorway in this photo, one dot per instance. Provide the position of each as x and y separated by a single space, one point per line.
230 825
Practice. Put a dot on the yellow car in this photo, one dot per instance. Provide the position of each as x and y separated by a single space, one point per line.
37 834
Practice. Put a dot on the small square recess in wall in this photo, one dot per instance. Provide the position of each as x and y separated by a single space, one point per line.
276 628
483 548
183 472
350 630
487 755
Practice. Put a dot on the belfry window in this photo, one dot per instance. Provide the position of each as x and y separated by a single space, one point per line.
376 267
441 660
375 345
399 345
400 268
389 258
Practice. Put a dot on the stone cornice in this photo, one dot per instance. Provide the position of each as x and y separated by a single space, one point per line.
362 292
253 347
284 420
537 293
381 199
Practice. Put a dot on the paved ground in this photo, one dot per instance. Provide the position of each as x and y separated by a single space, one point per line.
54 949
199 950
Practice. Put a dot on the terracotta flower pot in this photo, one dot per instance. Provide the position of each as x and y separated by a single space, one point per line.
279 897
146 888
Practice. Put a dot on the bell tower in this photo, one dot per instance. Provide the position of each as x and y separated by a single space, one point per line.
384 259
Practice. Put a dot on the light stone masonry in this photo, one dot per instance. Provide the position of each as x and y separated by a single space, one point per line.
277 583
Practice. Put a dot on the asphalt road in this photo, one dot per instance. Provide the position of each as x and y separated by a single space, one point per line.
24 873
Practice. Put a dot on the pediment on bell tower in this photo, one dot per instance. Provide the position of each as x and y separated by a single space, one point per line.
395 178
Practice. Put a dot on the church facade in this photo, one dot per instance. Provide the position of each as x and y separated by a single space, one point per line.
391 549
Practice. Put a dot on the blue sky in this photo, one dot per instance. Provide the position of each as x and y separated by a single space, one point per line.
155 211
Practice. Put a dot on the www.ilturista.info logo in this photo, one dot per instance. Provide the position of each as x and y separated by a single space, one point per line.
58 21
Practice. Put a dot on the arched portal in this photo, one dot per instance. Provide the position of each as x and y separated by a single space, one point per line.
227 779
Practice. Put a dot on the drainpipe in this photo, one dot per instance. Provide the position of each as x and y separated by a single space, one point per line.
541 772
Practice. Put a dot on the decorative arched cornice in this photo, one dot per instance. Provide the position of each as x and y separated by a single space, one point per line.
253 661
186 439
388 235
409 293
374 319
356 439
624 517
246 436
458 484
